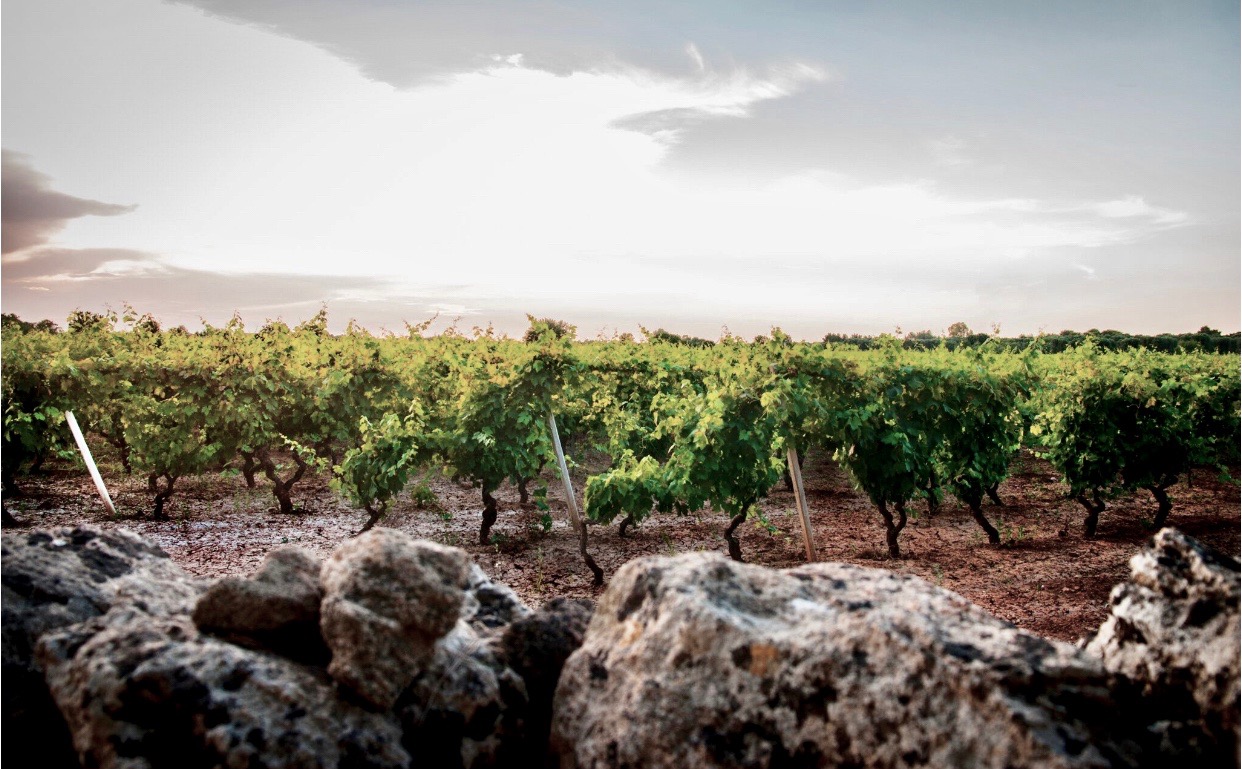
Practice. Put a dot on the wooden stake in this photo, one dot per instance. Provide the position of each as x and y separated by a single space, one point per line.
804 512
90 463
573 504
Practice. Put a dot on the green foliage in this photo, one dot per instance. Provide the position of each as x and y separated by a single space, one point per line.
379 467
1115 422
685 422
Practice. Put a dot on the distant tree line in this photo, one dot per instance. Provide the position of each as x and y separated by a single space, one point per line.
959 335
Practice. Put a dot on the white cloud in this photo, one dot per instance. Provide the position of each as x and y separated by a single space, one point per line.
1133 206
692 51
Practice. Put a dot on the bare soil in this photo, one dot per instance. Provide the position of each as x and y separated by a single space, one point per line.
1044 577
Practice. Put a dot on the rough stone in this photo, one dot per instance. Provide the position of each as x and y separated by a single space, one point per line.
387 599
536 647
490 606
55 578
700 661
141 691
277 609
1173 632
465 708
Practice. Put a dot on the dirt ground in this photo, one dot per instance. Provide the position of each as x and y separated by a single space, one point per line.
1044 577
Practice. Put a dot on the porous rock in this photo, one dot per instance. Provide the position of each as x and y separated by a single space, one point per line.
387 599
276 609
489 606
52 579
465 708
700 661
536 647
141 691
1173 632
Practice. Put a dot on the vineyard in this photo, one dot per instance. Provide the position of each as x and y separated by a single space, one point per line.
657 428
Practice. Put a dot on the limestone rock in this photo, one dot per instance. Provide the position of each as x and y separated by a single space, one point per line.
1173 631
490 606
142 691
55 578
465 708
387 599
700 661
277 609
536 648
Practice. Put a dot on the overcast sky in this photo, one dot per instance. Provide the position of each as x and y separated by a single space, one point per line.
819 166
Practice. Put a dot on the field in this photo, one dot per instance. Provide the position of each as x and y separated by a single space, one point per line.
1044 577
223 444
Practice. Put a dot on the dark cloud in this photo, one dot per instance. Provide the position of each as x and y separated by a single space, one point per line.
32 211
67 263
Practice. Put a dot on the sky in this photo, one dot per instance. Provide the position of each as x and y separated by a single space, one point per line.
846 167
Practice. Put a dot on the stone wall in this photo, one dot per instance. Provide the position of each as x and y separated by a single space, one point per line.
399 653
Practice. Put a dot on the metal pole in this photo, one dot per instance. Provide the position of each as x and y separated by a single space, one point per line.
804 512
90 463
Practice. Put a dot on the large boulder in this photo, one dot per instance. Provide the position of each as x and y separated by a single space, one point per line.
141 691
276 609
53 579
1173 632
700 661
387 599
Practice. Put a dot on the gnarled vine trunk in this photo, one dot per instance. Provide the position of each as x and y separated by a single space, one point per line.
976 511
375 515
1094 507
626 523
893 529
489 517
248 468
1162 499
281 488
162 495
993 493
735 547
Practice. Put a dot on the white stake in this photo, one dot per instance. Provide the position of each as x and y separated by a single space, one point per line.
569 487
804 512
573 504
90 463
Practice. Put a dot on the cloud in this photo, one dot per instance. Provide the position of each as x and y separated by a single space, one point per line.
692 51
42 283
412 44
32 211
1133 206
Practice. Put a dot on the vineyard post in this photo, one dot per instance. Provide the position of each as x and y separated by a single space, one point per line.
573 504
804 513
90 462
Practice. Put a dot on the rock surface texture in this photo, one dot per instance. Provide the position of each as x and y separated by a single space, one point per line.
54 579
401 653
387 599
139 691
536 647
700 661
277 608
1173 631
